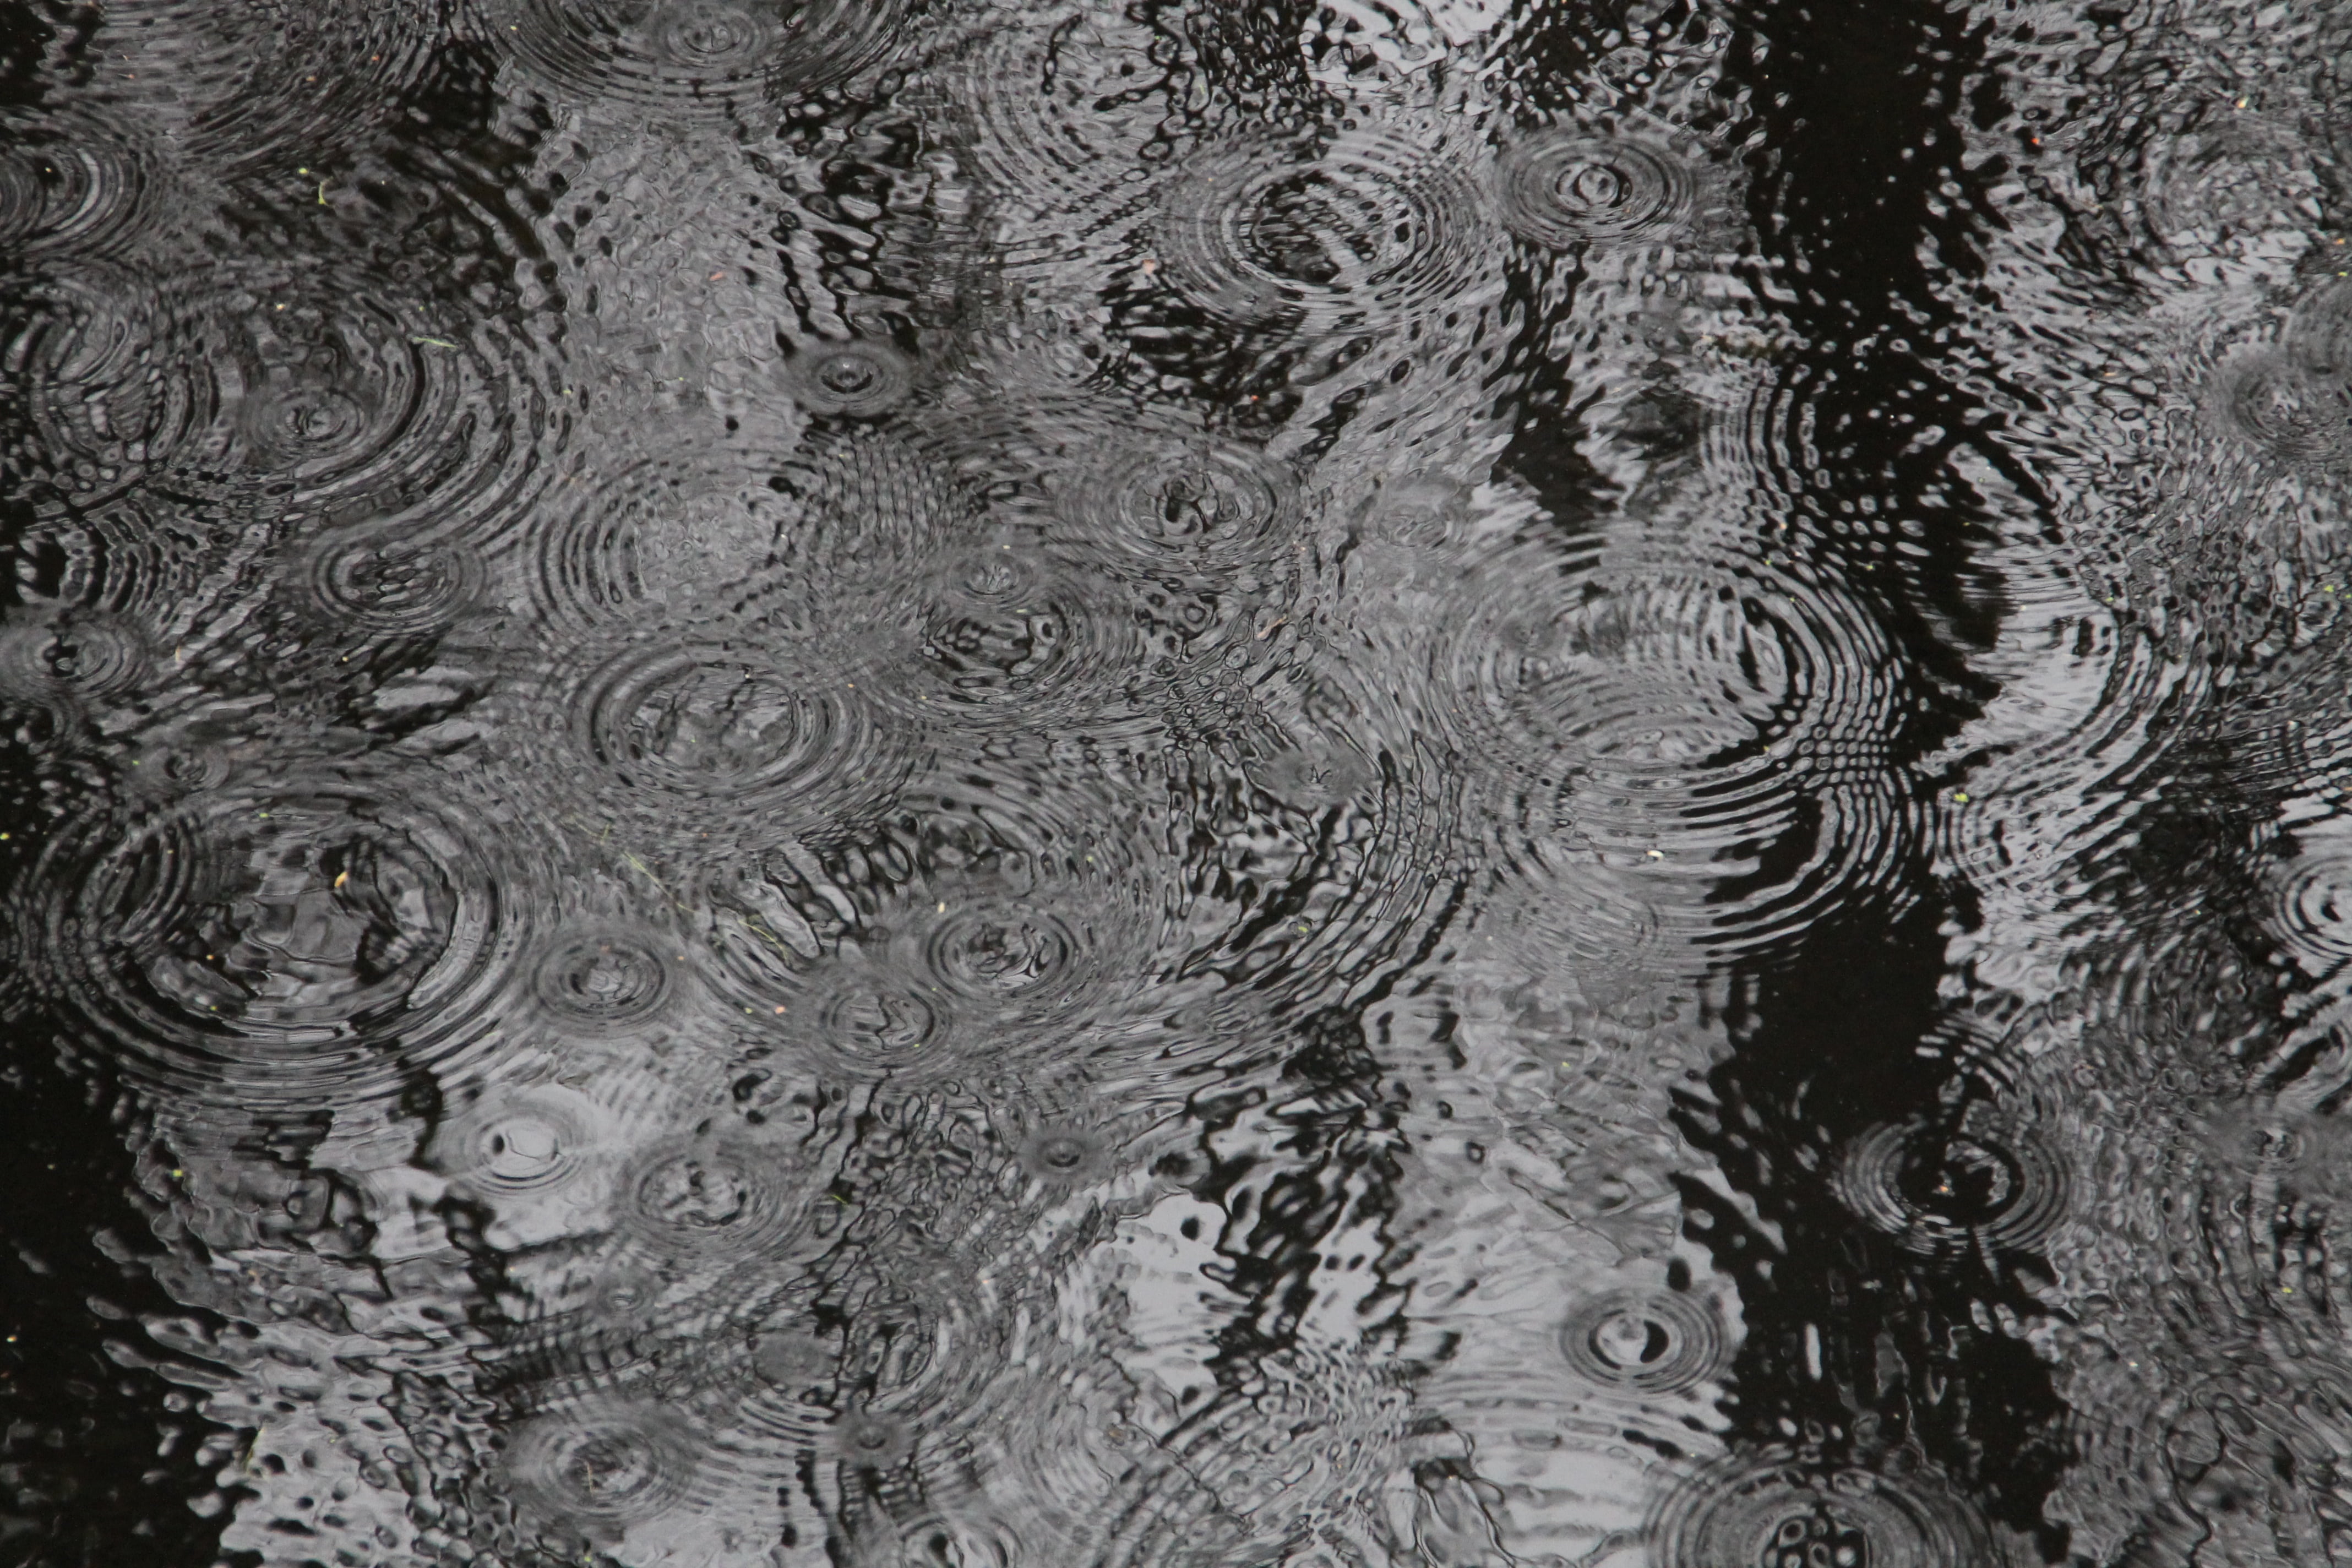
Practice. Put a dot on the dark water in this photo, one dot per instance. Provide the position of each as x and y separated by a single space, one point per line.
1364 786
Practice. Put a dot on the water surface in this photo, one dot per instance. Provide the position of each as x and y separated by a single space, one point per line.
1346 785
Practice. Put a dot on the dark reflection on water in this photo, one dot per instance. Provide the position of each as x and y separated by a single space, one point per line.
1175 786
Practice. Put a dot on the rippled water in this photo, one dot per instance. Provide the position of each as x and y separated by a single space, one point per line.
1351 785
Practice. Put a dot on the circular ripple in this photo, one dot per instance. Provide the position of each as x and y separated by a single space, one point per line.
1001 954
92 372
862 1020
384 583
626 1296
536 1140
1186 502
1314 777
1537 665
990 633
2311 900
2236 180
716 55
72 187
2273 404
600 1467
302 417
870 1440
1013 954
870 1017
714 1200
1064 1136
1257 232
1044 131
1947 1195
1709 739
855 380
2319 333
177 763
748 735
603 981
792 1358
1065 1156
1658 1342
258 89
305 943
858 504
937 980
922 1335
706 720
1780 1514
320 393
852 1019
679 536
64 662
1563 188
766 1412
1638 674
713 35
328 402
148 562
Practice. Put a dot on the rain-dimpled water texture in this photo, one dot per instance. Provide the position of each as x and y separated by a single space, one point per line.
1433 782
